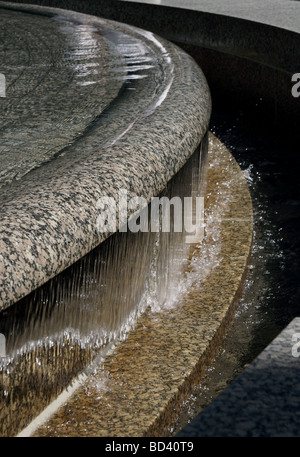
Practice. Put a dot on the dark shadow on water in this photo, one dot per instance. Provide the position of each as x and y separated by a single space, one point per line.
271 297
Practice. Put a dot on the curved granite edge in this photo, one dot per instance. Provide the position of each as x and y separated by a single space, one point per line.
46 228
274 45
136 389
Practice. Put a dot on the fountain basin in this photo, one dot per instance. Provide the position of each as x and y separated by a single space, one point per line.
254 65
137 388
95 110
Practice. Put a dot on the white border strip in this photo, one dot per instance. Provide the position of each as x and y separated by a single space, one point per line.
52 408
67 393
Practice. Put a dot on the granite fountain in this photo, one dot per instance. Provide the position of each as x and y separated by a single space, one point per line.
104 332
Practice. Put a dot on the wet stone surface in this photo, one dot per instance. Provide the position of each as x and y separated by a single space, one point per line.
61 154
263 401
58 80
139 388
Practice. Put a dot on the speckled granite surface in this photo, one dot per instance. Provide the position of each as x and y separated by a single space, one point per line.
281 49
60 76
137 390
264 401
48 218
57 331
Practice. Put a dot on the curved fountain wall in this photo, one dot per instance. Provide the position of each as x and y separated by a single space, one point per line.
47 228
247 50
105 96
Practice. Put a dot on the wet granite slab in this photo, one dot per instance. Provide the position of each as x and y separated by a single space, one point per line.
57 331
271 13
59 77
48 217
138 386
264 401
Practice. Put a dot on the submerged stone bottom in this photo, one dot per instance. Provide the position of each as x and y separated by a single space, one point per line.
138 389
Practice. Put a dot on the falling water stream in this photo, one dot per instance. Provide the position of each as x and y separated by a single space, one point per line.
55 332
85 77
48 337
58 330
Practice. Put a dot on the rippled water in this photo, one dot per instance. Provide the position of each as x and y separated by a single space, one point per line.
271 296
63 80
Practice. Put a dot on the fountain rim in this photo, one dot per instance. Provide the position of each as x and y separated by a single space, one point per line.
20 277
266 27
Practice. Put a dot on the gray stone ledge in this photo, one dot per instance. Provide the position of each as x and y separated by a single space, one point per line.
278 13
48 218
263 401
